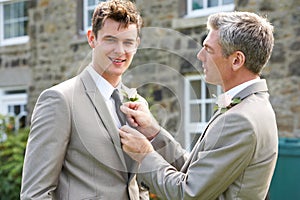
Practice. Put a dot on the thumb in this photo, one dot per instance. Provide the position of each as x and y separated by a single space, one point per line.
133 132
127 111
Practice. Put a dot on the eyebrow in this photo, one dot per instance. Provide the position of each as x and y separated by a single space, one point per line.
207 46
114 37
110 36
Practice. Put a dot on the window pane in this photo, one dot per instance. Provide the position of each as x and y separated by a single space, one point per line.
14 10
91 2
7 31
19 29
14 29
15 19
194 139
6 12
212 3
195 113
211 91
228 2
17 109
25 32
209 111
90 14
197 4
195 89
19 10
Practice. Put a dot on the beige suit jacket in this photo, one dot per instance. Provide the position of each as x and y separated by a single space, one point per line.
235 158
73 150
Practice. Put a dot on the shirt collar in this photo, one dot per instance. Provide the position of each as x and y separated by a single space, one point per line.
234 91
105 88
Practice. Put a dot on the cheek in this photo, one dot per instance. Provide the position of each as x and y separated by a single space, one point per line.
129 56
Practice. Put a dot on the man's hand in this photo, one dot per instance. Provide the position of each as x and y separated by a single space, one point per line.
135 144
139 117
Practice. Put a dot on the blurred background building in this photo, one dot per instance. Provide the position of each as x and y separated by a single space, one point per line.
43 43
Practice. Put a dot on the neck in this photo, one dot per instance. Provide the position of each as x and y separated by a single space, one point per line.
238 80
112 79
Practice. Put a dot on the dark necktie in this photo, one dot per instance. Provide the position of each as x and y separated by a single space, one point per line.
115 95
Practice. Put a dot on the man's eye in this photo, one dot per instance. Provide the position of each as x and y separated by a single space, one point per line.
208 50
129 43
110 40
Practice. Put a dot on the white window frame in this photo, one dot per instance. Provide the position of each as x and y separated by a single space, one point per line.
196 127
12 40
207 10
7 100
86 9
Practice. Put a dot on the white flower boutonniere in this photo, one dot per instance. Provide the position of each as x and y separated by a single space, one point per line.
130 95
225 102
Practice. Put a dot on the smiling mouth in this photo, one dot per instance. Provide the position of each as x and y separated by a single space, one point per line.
116 60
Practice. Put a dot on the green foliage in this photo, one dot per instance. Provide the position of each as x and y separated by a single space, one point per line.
11 163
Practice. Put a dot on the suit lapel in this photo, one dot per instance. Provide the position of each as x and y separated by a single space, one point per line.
131 164
260 86
195 148
103 112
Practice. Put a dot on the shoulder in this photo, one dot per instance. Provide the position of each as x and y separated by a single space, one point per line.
62 90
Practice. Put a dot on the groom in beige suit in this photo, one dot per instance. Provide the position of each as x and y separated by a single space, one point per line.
73 149
236 154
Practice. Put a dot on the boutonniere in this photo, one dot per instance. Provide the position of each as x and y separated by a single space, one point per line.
130 95
225 102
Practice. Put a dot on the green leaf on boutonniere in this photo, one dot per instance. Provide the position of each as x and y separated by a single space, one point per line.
130 95
233 102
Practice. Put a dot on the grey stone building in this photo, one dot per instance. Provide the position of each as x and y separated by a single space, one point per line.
43 42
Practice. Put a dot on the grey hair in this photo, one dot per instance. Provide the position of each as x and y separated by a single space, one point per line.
246 32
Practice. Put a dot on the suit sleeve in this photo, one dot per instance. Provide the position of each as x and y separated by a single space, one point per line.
218 160
169 149
46 147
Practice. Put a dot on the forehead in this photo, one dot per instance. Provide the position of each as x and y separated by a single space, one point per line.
212 38
116 29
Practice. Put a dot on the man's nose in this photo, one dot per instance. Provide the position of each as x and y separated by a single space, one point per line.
119 48
200 55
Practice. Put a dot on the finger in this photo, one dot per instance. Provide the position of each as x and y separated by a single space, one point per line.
127 110
131 105
122 134
127 129
132 122
131 131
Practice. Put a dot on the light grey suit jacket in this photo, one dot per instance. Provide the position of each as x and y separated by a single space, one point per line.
73 150
235 159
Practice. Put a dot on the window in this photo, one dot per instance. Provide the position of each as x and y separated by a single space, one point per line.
197 8
13 104
199 103
88 9
13 22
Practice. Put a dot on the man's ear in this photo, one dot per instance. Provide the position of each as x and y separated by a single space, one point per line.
238 60
138 41
91 38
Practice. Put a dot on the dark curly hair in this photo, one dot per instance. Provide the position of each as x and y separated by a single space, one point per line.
123 11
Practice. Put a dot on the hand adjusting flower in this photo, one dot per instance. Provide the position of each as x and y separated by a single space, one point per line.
225 102
130 95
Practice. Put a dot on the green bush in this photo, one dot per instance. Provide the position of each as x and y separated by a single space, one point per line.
11 163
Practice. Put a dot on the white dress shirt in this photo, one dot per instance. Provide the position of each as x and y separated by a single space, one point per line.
106 90
233 91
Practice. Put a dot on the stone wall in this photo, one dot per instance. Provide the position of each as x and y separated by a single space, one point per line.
14 66
56 52
283 71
